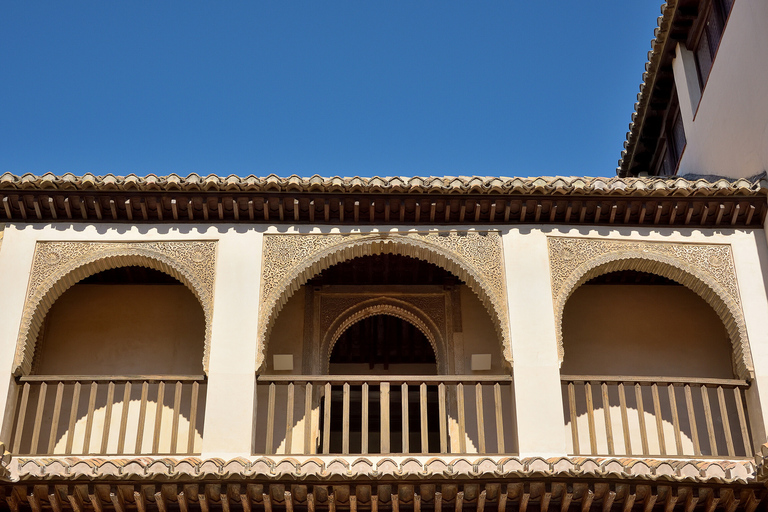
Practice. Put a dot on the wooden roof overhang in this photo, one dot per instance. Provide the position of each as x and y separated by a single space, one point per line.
674 25
442 200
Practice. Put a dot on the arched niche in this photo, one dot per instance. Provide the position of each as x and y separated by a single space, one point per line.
292 260
676 270
57 266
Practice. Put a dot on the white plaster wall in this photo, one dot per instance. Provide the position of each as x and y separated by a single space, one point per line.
729 134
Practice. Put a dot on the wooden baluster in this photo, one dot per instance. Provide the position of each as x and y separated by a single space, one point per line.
73 417
270 419
55 418
89 418
641 417
692 420
590 418
364 420
158 416
738 396
327 420
462 422
708 418
175 424
423 418
384 406
38 418
404 410
659 421
107 418
193 404
289 419
142 417
442 413
308 445
726 421
574 423
345 419
480 417
675 418
624 418
607 416
499 418
124 418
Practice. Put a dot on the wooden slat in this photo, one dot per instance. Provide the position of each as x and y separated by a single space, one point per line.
443 417
55 419
384 406
675 419
423 418
399 379
404 410
89 417
364 420
607 415
708 418
462 422
158 417
573 417
615 379
72 417
590 418
499 418
107 418
725 420
327 419
19 430
308 391
142 417
692 420
641 417
737 394
175 424
193 417
124 417
270 415
480 417
659 421
111 378
289 419
624 419
345 419
38 418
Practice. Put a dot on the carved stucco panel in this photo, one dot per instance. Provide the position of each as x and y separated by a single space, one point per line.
708 269
290 260
58 265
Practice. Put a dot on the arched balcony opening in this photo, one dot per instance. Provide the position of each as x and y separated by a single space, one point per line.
117 369
648 370
378 355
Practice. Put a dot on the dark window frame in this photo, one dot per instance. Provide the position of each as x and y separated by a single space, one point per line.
708 35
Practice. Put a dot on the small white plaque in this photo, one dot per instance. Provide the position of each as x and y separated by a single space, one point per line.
283 362
481 362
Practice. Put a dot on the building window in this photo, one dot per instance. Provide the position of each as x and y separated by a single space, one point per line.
709 40
673 143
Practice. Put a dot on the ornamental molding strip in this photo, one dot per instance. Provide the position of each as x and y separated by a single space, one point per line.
706 269
57 266
290 260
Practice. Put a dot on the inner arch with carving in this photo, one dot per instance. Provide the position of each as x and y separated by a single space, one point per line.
41 297
309 263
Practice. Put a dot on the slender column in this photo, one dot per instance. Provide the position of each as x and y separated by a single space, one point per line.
538 398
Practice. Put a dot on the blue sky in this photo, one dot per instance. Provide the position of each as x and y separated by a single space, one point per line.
345 88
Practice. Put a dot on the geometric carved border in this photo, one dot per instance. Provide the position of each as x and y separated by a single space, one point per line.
290 260
56 266
707 269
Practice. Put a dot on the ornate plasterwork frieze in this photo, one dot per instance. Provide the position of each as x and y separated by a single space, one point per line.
56 266
291 260
707 269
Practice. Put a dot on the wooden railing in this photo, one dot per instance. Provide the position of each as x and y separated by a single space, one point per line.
666 416
108 415
389 415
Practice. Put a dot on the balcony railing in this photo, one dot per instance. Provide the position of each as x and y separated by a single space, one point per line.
664 416
385 415
108 415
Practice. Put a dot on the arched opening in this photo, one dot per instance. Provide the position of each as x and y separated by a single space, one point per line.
647 366
117 369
